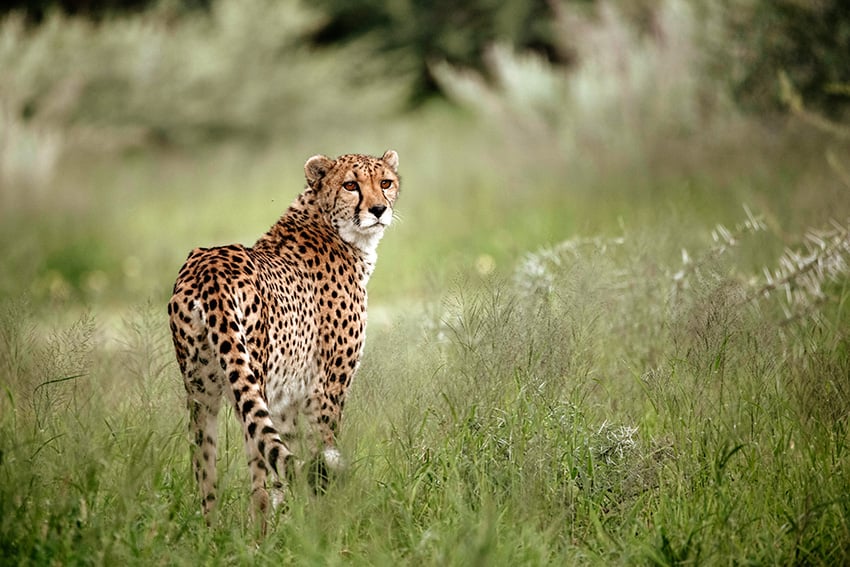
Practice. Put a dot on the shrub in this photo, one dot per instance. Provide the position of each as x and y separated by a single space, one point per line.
414 34
627 95
807 41
240 70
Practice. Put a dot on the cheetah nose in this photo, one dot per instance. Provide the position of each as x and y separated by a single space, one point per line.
377 210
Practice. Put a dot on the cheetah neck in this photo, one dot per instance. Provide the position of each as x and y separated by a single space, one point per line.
364 248
304 225
367 244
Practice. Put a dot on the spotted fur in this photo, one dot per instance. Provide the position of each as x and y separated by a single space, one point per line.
278 328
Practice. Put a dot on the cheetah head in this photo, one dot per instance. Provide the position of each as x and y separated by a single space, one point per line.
356 194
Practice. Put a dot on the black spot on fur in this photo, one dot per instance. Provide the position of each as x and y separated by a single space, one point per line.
274 454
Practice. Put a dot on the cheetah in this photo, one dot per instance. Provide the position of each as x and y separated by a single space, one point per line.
278 328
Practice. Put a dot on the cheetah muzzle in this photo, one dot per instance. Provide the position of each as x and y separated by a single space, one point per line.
278 328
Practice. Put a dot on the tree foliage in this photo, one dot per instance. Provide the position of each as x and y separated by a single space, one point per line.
807 41
412 35
758 40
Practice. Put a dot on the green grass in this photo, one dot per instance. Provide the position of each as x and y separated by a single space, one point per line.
546 380
574 406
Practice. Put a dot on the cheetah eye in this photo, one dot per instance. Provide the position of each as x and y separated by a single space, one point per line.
386 183
351 185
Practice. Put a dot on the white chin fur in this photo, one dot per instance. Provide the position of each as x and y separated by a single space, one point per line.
364 238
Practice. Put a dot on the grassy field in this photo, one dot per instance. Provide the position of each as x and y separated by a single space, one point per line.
623 346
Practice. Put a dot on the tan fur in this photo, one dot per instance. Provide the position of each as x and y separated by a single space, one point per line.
278 328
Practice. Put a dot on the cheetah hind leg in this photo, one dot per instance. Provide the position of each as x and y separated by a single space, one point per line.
203 431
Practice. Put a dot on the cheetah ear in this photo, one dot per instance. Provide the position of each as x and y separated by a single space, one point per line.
316 168
391 159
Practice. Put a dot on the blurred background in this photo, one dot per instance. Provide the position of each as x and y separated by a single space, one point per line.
132 131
